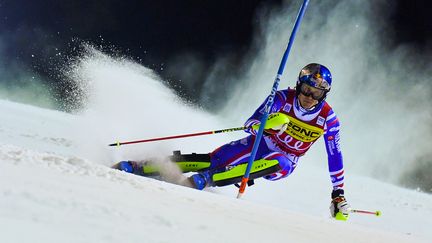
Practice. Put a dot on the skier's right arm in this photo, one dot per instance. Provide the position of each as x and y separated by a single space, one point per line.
255 119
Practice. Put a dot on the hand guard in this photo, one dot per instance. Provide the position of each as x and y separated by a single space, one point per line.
339 207
276 123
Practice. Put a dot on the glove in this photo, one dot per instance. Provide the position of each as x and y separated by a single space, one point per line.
339 207
276 123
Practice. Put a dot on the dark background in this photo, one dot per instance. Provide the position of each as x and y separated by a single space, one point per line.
38 35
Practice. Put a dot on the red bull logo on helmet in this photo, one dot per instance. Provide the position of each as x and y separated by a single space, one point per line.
316 76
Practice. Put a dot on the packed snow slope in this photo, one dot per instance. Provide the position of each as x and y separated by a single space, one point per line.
53 188
56 184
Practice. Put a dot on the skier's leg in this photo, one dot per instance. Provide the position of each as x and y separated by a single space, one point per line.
234 152
171 175
155 167
229 162
271 165
287 164
223 166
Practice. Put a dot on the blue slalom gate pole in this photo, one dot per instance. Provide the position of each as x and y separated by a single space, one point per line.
270 99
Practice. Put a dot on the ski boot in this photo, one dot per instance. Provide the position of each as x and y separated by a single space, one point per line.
129 167
200 180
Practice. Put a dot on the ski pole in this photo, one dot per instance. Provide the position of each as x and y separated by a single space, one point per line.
179 136
270 100
376 213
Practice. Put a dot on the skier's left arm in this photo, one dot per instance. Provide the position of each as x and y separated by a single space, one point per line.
334 153
335 165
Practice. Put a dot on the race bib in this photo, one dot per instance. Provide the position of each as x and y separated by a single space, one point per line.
302 131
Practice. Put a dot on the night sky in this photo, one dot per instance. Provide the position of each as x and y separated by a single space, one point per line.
34 32
151 31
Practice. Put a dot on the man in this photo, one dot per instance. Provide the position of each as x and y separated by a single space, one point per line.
297 119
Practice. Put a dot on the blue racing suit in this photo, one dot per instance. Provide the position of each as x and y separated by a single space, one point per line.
304 128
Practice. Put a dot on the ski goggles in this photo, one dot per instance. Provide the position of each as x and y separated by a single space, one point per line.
307 90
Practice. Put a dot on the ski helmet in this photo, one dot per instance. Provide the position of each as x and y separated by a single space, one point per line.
317 76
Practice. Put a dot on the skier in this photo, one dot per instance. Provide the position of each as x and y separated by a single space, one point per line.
297 119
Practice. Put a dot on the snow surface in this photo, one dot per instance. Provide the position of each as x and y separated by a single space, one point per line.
56 184
51 190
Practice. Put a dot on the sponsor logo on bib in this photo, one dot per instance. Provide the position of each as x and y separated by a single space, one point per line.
302 131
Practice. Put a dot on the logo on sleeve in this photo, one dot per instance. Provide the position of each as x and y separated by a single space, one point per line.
320 120
287 107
